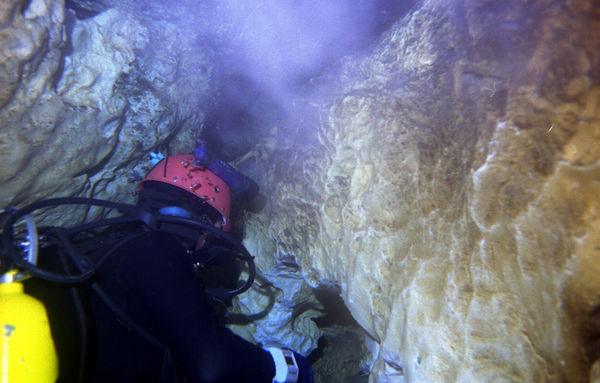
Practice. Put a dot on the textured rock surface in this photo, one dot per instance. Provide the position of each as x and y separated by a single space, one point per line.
447 185
80 109
451 191
281 312
85 97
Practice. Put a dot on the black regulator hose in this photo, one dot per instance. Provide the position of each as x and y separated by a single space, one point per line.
71 252
243 254
87 269
131 214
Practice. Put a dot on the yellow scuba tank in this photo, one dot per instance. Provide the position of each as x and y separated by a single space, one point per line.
27 353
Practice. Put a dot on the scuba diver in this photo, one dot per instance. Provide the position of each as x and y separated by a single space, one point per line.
144 280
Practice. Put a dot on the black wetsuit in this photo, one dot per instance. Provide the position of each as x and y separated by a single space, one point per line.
151 278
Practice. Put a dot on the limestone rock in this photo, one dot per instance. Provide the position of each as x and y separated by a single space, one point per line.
83 101
282 312
30 41
341 359
62 120
451 191
447 182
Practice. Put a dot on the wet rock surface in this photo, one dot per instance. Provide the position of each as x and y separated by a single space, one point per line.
451 189
84 100
445 181
342 352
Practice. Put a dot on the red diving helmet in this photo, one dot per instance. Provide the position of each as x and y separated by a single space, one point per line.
180 171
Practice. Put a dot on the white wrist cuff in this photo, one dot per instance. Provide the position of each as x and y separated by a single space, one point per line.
286 368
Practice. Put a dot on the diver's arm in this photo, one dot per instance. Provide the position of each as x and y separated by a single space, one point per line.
158 274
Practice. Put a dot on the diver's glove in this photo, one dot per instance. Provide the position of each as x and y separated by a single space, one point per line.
290 367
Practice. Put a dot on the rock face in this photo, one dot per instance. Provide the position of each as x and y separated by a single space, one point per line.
446 181
80 109
451 191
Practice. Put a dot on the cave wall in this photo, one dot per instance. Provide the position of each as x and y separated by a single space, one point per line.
89 89
445 181
450 190
84 100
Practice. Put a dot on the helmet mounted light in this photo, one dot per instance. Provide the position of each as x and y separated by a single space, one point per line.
181 171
